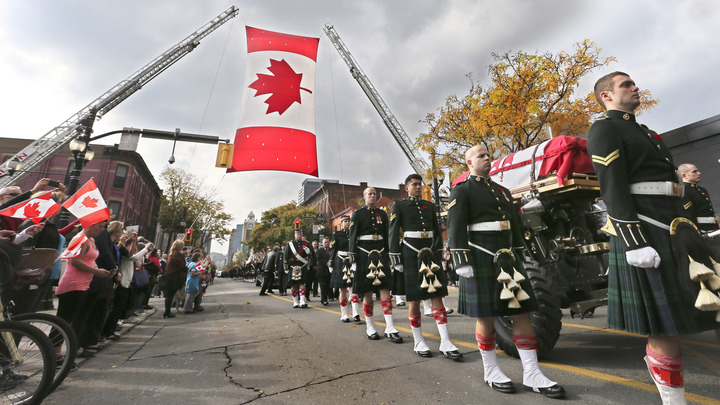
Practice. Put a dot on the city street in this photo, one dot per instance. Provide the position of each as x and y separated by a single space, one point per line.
249 349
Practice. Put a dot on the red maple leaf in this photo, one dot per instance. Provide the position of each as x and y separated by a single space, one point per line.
284 86
89 202
31 210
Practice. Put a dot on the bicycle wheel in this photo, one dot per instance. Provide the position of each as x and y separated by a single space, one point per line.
64 341
27 363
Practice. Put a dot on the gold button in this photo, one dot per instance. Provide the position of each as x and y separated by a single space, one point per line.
659 147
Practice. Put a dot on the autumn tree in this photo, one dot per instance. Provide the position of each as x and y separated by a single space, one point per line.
530 98
276 225
186 202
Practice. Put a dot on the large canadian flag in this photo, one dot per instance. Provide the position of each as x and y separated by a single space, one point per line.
277 122
34 209
88 205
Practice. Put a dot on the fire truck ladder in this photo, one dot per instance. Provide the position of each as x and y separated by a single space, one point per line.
416 161
50 143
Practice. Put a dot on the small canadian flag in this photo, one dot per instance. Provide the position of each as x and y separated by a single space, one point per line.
88 205
34 209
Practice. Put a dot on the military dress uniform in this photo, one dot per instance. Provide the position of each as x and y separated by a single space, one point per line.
698 205
299 255
639 186
339 247
414 227
369 233
481 221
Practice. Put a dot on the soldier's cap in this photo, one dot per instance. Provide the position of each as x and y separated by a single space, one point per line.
344 217
298 231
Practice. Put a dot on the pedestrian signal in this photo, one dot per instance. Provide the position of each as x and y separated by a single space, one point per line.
426 194
296 224
188 235
224 155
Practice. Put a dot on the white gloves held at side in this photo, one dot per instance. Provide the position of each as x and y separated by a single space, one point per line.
645 258
465 271
399 267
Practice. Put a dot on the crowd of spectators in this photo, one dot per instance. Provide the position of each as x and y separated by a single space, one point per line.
106 281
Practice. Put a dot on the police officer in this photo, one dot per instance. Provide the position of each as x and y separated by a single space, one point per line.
696 198
639 185
415 252
342 274
482 228
369 256
299 256
268 268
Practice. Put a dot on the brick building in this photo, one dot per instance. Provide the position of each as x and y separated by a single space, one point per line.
333 199
123 178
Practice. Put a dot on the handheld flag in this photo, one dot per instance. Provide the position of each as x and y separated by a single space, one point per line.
277 123
35 209
88 205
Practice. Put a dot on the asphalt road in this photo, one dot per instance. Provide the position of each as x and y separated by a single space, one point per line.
249 349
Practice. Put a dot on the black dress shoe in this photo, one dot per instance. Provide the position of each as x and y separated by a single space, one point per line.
449 311
356 318
165 315
270 292
453 355
324 303
504 387
374 336
262 293
400 304
556 391
303 305
345 320
394 337
424 353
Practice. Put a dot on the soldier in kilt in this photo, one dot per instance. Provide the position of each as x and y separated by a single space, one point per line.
639 186
416 253
696 198
483 227
299 256
369 256
341 270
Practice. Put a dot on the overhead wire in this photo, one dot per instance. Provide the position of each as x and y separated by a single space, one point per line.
337 128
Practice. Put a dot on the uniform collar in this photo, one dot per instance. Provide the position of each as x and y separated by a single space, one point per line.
411 198
690 184
620 115
486 180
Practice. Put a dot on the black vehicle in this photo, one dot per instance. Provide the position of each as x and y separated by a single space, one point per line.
260 278
565 255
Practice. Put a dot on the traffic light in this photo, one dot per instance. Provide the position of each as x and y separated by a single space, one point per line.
188 235
426 193
224 155
296 224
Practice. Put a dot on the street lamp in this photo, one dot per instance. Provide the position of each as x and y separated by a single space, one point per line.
82 154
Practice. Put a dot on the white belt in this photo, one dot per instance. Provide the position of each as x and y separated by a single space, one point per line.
489 226
666 188
370 237
707 220
419 234
342 253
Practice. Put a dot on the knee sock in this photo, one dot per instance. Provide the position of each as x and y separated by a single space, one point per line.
343 309
527 349
440 316
665 370
355 305
386 304
491 368
420 345
368 308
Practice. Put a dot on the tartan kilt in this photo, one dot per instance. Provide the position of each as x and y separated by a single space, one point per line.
652 301
303 277
336 279
362 284
411 276
479 295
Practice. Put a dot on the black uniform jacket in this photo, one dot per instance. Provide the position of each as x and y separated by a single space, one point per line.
624 152
412 214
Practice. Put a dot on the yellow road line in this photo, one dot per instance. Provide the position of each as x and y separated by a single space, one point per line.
699 399
622 332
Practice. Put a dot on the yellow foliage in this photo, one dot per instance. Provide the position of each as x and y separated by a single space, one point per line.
530 98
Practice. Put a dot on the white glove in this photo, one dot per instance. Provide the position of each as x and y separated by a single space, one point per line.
399 267
644 258
465 271
331 269
353 267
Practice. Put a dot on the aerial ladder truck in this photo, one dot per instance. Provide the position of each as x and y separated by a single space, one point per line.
416 161
81 122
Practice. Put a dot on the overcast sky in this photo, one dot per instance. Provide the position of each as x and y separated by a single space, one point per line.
57 56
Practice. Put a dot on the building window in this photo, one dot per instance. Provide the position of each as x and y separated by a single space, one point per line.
120 176
115 208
